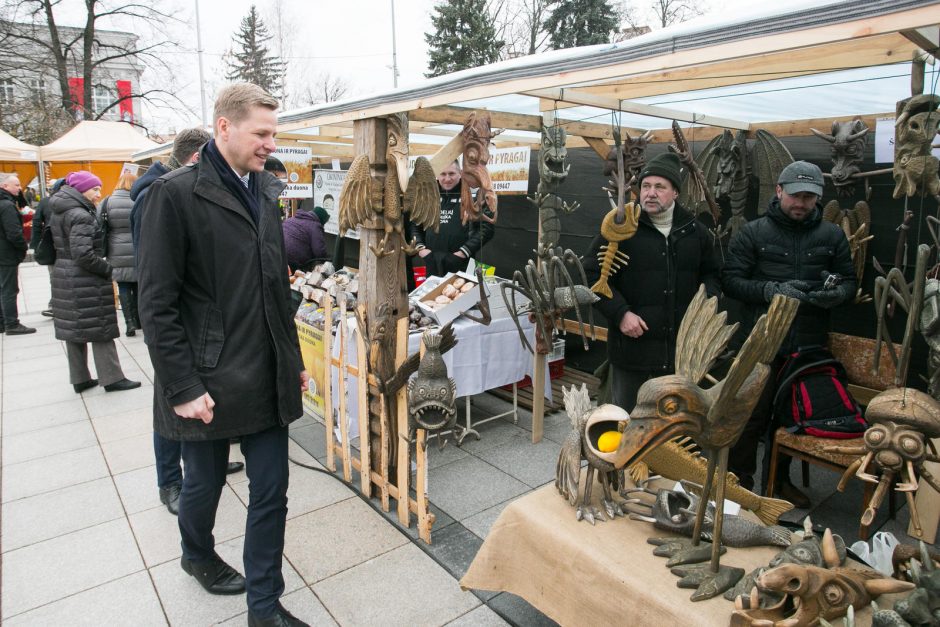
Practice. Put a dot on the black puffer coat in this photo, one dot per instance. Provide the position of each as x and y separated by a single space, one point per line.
12 242
82 293
215 300
776 248
120 244
657 284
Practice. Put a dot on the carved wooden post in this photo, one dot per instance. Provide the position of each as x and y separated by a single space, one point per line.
381 280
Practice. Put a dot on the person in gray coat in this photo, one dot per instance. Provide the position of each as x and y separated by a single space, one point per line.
82 295
116 210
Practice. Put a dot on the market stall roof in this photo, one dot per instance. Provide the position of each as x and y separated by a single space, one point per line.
97 141
770 64
12 149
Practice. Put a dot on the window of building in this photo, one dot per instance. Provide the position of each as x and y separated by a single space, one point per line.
101 98
37 89
7 91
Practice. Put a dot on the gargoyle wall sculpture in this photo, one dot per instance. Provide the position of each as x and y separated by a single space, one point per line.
552 173
476 154
848 148
915 127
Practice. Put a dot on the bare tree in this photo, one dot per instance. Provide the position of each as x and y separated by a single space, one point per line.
325 88
669 12
283 27
36 44
519 24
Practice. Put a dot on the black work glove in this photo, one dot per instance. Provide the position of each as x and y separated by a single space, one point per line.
794 289
827 299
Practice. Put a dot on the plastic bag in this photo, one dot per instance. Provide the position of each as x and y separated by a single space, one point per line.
879 555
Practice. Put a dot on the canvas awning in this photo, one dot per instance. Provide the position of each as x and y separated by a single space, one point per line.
12 149
97 141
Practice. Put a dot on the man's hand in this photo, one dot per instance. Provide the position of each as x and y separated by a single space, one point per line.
827 299
794 289
424 252
304 380
632 325
460 254
197 409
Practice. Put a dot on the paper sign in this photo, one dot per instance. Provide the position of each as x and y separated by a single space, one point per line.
297 172
884 141
327 185
508 168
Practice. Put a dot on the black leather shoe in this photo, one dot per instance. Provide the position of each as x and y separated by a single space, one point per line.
19 329
47 313
131 332
234 467
214 575
280 618
170 496
85 385
123 384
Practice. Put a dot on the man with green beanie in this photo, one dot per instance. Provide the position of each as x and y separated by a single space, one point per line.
670 255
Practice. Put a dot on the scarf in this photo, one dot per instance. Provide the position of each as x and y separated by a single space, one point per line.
250 197
663 220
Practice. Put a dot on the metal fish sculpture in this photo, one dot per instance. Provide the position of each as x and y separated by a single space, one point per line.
432 394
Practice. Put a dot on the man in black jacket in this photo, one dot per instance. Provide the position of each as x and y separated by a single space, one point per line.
671 255
40 218
12 252
790 250
455 243
223 343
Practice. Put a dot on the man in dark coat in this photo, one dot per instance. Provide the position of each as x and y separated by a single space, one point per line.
12 253
40 218
455 243
671 255
218 322
790 250
304 238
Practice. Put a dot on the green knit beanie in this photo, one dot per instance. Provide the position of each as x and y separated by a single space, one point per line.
322 213
665 165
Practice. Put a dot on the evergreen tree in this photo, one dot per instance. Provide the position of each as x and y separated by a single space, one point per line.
574 23
253 62
464 37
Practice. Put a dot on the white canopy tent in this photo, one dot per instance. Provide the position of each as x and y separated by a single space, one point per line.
12 149
97 141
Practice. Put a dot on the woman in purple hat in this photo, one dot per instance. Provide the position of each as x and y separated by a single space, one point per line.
82 293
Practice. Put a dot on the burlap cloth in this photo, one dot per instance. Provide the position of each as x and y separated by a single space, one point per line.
606 574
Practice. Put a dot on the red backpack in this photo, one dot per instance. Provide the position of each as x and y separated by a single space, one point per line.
813 396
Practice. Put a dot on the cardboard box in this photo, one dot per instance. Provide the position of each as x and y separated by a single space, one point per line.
445 313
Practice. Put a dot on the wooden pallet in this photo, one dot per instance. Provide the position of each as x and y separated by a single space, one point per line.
571 377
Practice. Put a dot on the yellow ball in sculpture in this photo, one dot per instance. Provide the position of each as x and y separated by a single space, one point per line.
609 441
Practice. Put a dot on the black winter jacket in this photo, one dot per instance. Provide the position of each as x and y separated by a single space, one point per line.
776 248
139 194
215 301
82 293
657 284
120 247
451 236
12 243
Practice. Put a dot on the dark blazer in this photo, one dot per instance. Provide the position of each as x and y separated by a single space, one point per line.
657 284
777 248
12 243
82 293
215 301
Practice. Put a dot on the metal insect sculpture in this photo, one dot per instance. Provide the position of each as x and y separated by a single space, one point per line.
618 225
432 395
675 405
550 291
915 127
856 224
727 167
364 199
477 136
696 187
574 450
896 446
552 173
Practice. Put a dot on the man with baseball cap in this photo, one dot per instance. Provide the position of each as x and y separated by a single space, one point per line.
790 250
670 254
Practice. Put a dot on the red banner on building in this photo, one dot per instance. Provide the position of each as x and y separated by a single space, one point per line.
127 103
77 93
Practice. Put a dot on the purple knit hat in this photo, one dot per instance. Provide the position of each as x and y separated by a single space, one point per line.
82 180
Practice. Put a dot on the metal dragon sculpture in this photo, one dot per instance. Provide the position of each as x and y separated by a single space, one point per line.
915 127
365 199
552 173
631 159
675 405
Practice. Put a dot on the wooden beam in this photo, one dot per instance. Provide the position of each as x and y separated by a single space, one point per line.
579 97
926 38
599 146
458 115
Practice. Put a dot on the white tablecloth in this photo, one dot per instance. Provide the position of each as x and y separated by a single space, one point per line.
484 358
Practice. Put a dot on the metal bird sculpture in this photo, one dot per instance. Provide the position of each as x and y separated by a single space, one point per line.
675 405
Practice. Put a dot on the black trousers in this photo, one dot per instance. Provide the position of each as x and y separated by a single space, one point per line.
266 465
9 288
624 385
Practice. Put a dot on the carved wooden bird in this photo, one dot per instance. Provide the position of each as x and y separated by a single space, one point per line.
675 405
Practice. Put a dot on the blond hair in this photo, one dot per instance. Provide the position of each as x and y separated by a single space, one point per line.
126 181
235 102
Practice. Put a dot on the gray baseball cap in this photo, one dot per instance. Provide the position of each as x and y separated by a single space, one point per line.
801 176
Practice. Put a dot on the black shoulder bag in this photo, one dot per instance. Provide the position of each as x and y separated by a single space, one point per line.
44 254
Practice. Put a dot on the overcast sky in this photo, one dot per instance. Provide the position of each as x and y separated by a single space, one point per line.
348 39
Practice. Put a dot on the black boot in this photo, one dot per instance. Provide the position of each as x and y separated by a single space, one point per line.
127 308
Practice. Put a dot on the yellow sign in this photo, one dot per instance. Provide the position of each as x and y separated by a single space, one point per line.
311 350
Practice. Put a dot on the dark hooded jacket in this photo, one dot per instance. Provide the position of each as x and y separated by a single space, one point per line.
304 240
451 236
82 293
215 300
657 284
139 194
777 248
12 242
